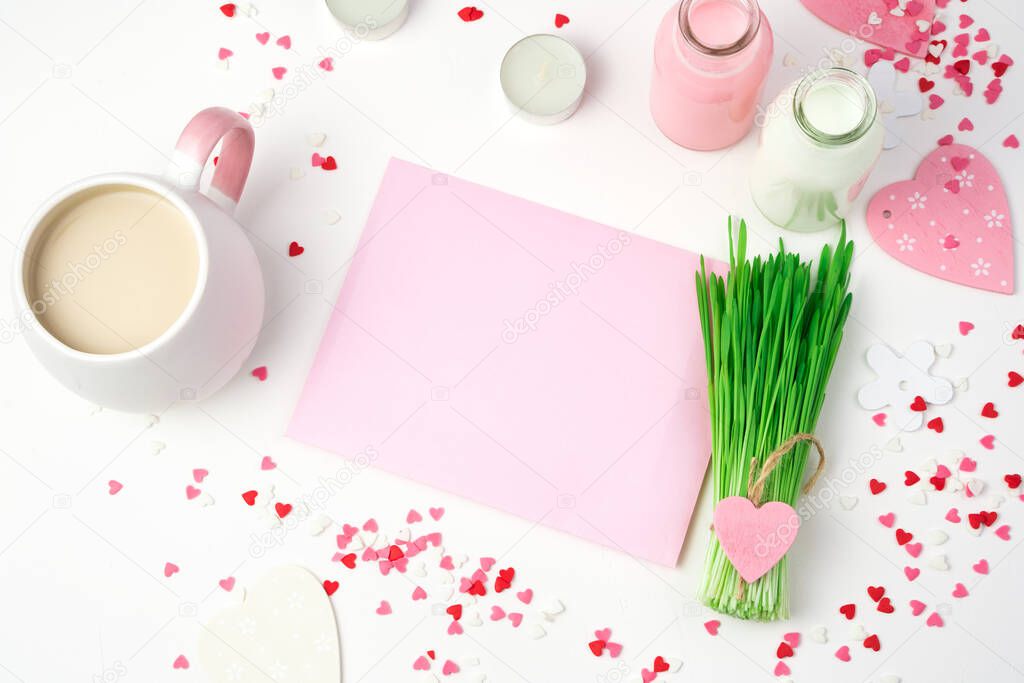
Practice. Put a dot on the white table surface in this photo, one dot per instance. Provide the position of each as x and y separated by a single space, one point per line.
95 87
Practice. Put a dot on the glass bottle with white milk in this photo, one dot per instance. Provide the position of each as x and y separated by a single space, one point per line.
821 138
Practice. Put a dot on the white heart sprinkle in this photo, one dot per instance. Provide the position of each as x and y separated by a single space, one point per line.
152 421
156 446
536 631
918 497
848 502
857 632
888 678
674 664
995 501
473 619
895 445
206 500
975 486
222 64
818 634
939 562
319 524
930 466
265 96
331 216
295 173
554 608
936 537
923 26
789 60
944 350
403 535
874 19
963 384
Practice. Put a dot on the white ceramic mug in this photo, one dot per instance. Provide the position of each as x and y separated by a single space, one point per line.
210 340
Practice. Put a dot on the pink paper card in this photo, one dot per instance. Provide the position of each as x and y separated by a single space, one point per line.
520 357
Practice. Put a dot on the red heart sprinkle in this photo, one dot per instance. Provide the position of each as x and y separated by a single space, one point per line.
596 646
228 10
561 20
938 482
249 497
477 588
395 553
963 66
876 486
885 606
936 424
945 140
784 650
989 410
919 405
282 509
910 478
660 665
349 560
848 610
1012 480
330 586
470 13
924 84
871 643
902 538
1015 378
1018 332
876 592
455 611
329 164
294 249
260 373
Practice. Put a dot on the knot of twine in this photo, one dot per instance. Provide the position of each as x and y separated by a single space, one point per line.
755 487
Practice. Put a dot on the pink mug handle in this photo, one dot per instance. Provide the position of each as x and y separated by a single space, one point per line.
195 145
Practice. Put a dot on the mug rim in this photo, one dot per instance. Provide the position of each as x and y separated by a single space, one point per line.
152 184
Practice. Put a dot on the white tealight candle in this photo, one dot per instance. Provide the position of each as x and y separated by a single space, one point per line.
543 77
370 19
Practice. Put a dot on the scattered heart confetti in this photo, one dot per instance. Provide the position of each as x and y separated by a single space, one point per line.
935 620
199 474
848 611
843 654
872 643
260 373
227 584
327 64
330 586
450 668
876 486
879 419
712 626
1014 379
937 425
981 566
911 573
1011 142
384 609
113 486
224 53
263 37
989 411
228 9
960 591
988 441
917 607
965 327
180 662
887 520
191 492
170 569
561 20
295 249
282 509
413 517
285 42
470 14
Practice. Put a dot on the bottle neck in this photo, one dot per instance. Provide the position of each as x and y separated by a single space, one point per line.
718 28
834 107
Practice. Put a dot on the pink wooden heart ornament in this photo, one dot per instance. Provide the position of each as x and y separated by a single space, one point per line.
754 538
882 22
951 221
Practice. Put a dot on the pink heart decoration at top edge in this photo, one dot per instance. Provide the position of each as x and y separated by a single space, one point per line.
912 219
754 538
899 33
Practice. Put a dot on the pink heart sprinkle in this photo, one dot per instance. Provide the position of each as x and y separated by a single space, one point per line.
450 668
1003 532
224 53
965 124
871 57
960 591
279 72
436 514
943 472
227 584
455 628
903 65
712 626
988 441
646 675
316 159
170 569
793 638
981 566
419 594
968 465
604 634
486 563
911 572
965 329
371 526
413 517
982 35
384 609
263 37
887 519
614 649
945 140
879 419
260 373
285 42
267 463
516 618
327 64
965 20
981 57
113 486
1012 142
781 669
526 596
421 664
180 662
191 492
934 101
370 555
916 607
446 563
497 613
934 619
953 516
199 474
914 549
843 653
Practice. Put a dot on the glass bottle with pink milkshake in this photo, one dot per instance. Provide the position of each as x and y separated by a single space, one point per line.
711 58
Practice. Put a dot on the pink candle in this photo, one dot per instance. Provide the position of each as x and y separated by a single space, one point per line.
710 61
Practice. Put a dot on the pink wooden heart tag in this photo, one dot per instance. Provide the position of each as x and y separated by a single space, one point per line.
951 221
876 22
754 538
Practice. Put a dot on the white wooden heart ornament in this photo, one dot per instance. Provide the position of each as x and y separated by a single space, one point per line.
284 631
